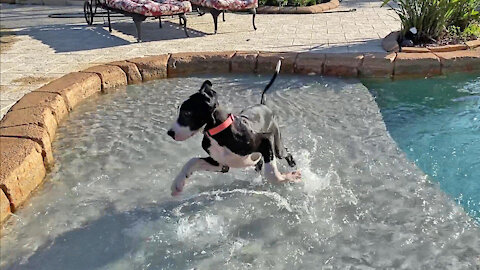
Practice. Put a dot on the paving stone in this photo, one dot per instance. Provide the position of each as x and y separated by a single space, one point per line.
131 71
473 43
111 76
54 101
244 62
416 64
266 62
377 65
4 206
343 65
153 67
466 60
181 64
40 116
447 48
35 133
21 169
74 87
414 50
310 63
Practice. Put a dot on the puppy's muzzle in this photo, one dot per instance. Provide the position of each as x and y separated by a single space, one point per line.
171 133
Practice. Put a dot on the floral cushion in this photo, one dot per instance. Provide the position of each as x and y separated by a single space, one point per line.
226 4
151 8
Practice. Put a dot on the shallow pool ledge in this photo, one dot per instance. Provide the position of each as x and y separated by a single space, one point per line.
27 130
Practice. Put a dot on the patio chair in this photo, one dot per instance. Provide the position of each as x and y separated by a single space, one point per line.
139 10
217 7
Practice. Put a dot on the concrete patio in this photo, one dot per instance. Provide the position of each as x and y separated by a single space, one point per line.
40 48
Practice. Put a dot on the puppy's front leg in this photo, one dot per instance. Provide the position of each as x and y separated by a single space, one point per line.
195 164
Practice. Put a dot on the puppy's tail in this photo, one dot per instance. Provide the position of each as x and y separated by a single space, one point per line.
277 70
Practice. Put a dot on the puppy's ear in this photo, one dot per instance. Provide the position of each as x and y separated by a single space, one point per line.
205 83
209 93
206 89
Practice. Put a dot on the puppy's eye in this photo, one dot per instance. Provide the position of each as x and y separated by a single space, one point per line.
186 113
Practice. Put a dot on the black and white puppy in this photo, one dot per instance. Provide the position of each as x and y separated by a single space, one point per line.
232 141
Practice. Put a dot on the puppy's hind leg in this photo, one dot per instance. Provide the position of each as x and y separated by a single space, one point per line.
271 170
289 158
193 165
280 150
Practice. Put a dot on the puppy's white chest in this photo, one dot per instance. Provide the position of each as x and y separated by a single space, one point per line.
225 156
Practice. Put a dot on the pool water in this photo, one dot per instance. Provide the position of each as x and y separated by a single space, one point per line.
436 122
361 204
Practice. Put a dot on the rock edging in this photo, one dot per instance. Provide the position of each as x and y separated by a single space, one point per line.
319 8
390 44
29 127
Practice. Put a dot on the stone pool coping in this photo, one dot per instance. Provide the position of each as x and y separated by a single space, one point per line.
319 8
29 127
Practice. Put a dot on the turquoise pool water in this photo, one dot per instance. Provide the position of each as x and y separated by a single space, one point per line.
436 122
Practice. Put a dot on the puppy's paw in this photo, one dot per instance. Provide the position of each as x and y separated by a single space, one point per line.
177 188
291 162
295 176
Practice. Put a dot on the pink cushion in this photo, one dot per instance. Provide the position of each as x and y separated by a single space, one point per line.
232 5
151 8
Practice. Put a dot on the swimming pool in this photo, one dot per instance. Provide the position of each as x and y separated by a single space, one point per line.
436 122
362 203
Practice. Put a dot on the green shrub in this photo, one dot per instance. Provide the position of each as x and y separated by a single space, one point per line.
453 34
472 31
433 18
464 12
273 2
430 17
302 3
456 35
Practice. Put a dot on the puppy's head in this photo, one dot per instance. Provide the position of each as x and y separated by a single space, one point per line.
194 113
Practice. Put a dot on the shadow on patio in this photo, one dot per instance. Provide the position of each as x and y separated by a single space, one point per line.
369 45
80 37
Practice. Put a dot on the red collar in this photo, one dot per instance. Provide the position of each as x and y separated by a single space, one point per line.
221 127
